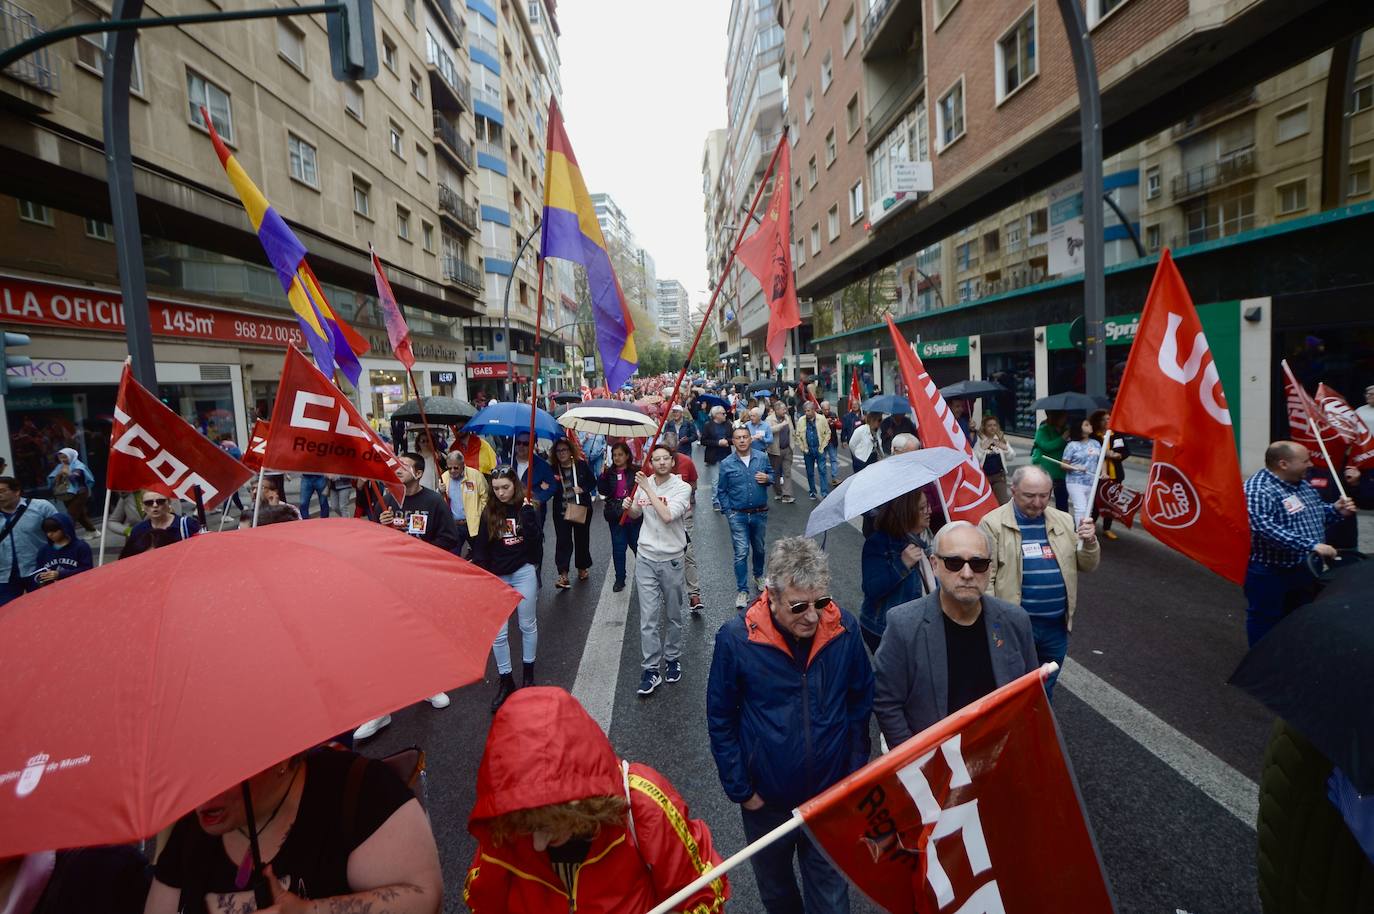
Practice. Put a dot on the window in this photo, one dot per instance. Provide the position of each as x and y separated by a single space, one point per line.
965 291
1362 96
1358 179
1016 59
832 222
827 72
824 4
1152 182
410 10
1038 223
389 53
849 30
397 140
421 161
202 92
990 243
35 212
1012 233
964 258
809 106
427 236
816 238
801 253
806 36
851 115
362 197
950 115
302 160
353 99
856 201
796 191
417 91
402 223
1152 238
942 9
830 148
291 44
90 50
1292 197
791 69
811 173
1100 9
1291 124
100 231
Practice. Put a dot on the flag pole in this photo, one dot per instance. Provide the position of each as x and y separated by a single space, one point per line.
257 494
1316 429
534 377
104 527
1101 462
728 864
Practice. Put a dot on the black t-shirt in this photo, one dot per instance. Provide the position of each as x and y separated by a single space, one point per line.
427 517
970 662
315 854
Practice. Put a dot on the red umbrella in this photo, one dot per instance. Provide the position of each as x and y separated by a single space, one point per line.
131 693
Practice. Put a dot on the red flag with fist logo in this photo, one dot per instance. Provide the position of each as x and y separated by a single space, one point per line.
1171 393
316 429
1355 435
153 448
978 813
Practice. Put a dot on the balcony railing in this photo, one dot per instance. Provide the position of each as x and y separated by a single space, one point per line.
876 12
478 43
37 69
1231 167
1215 112
445 8
457 209
491 149
459 271
441 65
490 96
448 136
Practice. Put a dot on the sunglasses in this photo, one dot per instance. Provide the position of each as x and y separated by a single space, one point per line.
798 608
504 470
956 563
152 502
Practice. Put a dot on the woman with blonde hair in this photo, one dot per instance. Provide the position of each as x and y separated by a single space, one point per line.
993 452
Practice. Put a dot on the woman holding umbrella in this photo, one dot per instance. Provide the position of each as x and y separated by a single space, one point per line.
615 484
572 511
896 563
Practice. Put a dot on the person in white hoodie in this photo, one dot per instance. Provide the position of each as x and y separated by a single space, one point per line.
661 566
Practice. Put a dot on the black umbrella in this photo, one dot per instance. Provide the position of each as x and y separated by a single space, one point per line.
567 397
1315 669
739 380
1072 402
972 390
438 410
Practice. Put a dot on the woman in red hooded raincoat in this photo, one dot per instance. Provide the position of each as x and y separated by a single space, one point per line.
562 824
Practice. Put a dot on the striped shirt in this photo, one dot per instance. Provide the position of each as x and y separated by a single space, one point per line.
1042 583
1286 520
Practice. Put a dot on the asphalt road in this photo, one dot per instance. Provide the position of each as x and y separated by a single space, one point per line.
1164 751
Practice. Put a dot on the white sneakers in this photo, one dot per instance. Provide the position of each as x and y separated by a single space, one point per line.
371 728
438 701
742 601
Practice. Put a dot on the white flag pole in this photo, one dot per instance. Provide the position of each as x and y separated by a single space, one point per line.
104 523
1316 429
1101 462
729 864
257 494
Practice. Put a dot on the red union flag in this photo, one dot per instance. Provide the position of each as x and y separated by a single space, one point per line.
153 448
1307 421
315 429
1118 500
1171 393
965 490
1357 437
257 445
768 255
978 814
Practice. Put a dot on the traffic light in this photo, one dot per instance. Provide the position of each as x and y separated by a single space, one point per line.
7 382
352 41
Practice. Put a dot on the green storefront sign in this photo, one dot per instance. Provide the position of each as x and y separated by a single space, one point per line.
943 349
863 358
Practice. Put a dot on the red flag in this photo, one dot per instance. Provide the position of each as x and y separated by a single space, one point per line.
1307 420
768 255
965 490
153 448
1356 435
855 394
1119 501
977 813
316 429
1171 393
257 445
397 331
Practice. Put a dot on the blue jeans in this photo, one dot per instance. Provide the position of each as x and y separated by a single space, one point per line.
312 483
1051 644
816 466
623 535
712 475
1271 594
746 534
824 889
526 580
832 456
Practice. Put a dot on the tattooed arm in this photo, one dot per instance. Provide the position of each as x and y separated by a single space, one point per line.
396 869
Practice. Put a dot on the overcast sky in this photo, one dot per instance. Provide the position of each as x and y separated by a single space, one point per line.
643 82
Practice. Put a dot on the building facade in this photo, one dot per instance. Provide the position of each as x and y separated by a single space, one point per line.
673 317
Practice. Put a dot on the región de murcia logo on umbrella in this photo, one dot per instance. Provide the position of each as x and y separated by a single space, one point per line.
27 779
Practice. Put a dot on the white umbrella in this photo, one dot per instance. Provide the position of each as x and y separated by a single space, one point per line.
609 417
880 483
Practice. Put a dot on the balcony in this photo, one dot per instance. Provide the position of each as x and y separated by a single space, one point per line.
891 105
1217 111
890 28
462 273
486 46
451 18
448 140
450 89
490 96
38 69
1233 166
491 149
876 11
457 210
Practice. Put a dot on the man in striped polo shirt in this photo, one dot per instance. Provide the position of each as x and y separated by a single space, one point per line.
1036 559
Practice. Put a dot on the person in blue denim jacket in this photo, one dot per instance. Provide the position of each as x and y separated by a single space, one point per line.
742 491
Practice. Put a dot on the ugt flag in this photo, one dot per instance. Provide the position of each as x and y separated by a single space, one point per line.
1307 422
153 448
1171 393
978 813
1118 500
1359 441
964 490
316 429
768 255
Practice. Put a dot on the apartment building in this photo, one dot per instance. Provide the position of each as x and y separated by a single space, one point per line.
346 165
674 322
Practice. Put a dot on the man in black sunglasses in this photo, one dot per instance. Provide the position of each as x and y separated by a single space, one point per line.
951 647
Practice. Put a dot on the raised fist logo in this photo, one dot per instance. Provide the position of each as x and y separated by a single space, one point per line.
1170 499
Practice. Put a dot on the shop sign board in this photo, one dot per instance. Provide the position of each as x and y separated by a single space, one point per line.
1118 331
1066 228
942 349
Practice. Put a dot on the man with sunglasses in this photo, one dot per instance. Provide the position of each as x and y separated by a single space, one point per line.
951 647
787 706
1037 554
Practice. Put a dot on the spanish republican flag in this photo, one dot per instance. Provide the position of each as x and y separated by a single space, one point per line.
570 232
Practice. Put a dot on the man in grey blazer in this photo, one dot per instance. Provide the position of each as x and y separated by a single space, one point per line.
952 647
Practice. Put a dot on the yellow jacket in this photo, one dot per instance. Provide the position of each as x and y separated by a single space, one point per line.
1005 580
475 493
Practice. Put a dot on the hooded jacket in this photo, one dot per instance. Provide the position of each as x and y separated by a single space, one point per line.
544 749
79 475
784 730
65 560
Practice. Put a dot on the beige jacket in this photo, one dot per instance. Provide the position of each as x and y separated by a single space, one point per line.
1004 581
475 493
822 432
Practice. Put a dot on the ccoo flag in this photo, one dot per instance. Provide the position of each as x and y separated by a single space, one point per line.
768 255
570 232
332 342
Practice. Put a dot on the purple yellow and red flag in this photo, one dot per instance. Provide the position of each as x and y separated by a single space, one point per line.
333 343
570 231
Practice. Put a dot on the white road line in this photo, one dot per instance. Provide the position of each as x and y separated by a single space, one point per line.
598 673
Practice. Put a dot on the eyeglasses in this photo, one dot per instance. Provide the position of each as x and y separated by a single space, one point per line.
798 608
152 502
956 563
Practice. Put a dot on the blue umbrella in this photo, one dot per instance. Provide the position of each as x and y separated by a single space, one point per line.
505 420
713 400
887 403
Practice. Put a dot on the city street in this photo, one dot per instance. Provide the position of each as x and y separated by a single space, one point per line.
1166 753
